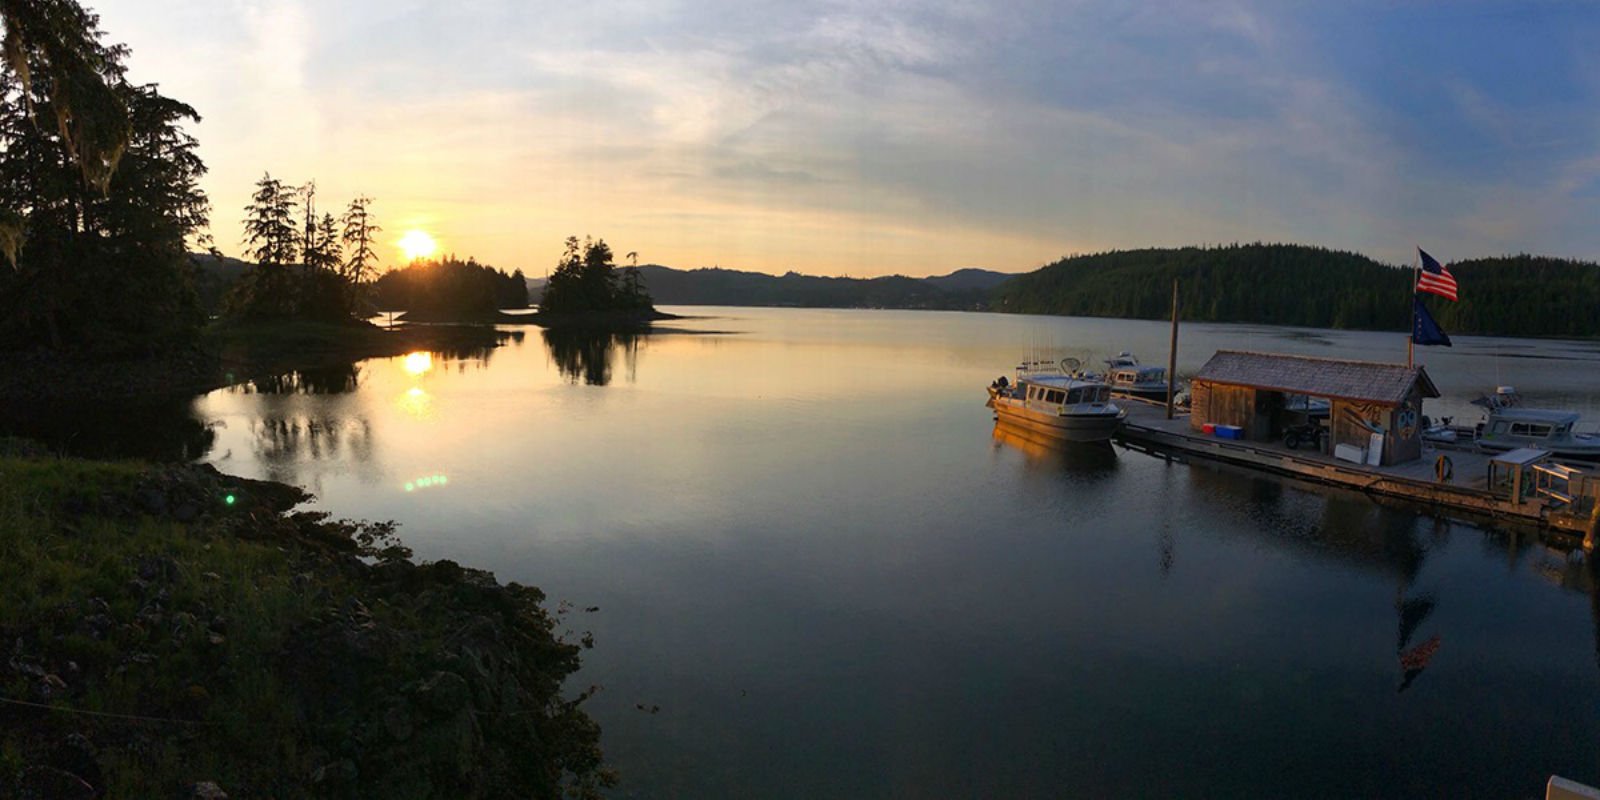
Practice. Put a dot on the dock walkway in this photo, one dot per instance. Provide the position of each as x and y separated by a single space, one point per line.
1147 429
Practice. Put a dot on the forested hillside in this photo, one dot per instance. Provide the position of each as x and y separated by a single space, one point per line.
1281 284
966 289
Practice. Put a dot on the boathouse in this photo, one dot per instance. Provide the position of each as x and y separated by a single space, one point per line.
1371 407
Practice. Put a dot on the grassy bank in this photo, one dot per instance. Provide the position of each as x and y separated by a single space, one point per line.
166 627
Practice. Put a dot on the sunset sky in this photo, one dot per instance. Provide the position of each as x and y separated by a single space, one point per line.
867 138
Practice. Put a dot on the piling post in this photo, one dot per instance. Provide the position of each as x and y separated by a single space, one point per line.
1172 350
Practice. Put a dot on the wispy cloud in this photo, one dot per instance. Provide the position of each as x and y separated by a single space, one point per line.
888 136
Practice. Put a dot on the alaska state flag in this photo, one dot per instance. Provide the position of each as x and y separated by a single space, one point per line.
1424 330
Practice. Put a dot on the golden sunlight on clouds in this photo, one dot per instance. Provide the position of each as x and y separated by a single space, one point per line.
417 244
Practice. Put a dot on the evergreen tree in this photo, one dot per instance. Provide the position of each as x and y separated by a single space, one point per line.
330 254
359 234
586 279
59 41
103 265
269 233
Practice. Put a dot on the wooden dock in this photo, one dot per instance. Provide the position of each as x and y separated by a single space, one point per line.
1148 430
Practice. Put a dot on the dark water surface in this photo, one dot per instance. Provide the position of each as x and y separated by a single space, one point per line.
821 574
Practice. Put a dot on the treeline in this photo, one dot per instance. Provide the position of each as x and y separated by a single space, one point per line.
99 193
307 267
966 289
450 285
1281 284
1524 296
586 281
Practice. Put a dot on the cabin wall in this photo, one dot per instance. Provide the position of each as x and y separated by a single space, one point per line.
1346 423
1405 441
1199 403
1225 404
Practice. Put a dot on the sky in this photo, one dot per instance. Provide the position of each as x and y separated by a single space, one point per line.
868 138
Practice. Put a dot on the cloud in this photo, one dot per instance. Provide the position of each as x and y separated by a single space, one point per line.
773 135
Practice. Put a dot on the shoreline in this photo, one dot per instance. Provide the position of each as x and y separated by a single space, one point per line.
226 355
171 627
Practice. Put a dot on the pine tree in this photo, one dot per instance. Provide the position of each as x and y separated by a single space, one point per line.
359 233
269 223
99 258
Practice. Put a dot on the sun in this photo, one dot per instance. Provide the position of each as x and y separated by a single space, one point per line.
417 244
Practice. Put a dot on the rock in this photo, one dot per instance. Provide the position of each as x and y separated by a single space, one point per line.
210 576
52 783
152 500
443 693
207 790
186 512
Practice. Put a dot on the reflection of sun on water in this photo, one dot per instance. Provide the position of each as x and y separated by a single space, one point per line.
416 402
418 363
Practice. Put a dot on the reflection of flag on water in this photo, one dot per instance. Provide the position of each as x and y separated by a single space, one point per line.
1423 329
1415 660
1435 278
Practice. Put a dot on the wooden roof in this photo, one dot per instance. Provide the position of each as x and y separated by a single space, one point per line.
1321 377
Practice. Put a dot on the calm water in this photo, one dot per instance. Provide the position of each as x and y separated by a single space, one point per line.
819 572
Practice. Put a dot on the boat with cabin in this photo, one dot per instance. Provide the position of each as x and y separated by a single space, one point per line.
1127 377
1057 401
1509 425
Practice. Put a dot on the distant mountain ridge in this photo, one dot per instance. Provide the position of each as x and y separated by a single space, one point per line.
1272 284
713 286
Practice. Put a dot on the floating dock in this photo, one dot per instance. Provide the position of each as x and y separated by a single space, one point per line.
1521 495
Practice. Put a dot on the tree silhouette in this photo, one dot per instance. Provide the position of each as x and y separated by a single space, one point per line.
585 280
97 261
359 234
269 232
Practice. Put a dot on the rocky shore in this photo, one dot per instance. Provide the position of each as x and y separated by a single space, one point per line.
171 631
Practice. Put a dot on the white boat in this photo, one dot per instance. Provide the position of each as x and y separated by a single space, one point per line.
1126 376
1508 425
1058 403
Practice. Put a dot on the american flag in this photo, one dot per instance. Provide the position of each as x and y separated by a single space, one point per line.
1435 278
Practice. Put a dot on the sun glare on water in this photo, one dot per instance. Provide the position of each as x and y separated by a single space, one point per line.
417 244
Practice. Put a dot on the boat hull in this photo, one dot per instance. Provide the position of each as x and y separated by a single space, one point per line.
1097 427
1570 451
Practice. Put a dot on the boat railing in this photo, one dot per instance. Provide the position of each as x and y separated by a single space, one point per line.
1571 489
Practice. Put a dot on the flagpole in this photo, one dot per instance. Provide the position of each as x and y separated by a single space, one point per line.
1411 332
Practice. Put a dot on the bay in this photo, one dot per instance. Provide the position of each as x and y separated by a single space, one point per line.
820 573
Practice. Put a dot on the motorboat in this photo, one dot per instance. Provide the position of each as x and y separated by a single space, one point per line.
1126 376
1056 401
1509 425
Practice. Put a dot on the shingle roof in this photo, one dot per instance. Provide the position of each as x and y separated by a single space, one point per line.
1321 377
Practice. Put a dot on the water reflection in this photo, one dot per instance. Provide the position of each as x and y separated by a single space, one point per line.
587 355
1095 459
163 429
337 379
282 442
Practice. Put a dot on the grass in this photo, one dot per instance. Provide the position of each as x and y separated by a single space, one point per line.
278 654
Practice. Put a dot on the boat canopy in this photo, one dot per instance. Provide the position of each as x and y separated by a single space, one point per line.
1538 415
1521 457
